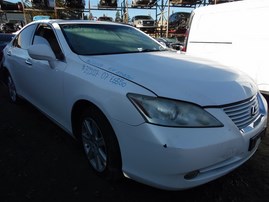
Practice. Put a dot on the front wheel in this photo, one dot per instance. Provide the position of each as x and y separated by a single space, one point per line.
100 145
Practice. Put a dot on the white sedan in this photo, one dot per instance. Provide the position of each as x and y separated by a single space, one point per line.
161 118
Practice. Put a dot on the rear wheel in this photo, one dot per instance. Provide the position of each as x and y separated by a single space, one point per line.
100 145
13 96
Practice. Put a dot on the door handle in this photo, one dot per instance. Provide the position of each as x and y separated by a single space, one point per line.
28 61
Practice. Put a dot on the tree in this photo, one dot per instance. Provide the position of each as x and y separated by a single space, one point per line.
118 17
91 16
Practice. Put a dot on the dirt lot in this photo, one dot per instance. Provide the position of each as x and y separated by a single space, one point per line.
39 162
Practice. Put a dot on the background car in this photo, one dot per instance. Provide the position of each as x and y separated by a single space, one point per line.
49 4
177 22
75 3
209 36
9 5
185 2
144 22
100 82
105 18
171 42
143 3
220 1
11 26
107 4
5 38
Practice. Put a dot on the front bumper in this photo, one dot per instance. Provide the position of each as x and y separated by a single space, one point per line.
180 158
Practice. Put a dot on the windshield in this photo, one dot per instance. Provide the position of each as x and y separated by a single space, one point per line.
97 39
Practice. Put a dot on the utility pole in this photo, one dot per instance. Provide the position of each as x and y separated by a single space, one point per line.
126 15
90 9
55 9
167 21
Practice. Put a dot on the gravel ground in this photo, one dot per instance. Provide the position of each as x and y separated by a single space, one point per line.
40 162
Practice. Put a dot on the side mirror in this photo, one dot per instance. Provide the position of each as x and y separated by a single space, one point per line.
163 44
42 52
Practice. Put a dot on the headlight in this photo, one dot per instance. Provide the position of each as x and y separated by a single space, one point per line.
172 113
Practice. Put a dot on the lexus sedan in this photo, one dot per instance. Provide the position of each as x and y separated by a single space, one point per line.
140 111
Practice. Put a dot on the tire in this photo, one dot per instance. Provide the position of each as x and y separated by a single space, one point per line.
13 96
100 145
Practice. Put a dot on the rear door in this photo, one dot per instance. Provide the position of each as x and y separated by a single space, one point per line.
17 57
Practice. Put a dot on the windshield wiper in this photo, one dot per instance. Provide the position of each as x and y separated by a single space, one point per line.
149 50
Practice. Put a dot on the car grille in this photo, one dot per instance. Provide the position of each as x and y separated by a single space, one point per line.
148 23
243 113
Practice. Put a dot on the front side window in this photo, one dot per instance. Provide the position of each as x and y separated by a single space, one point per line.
46 32
98 39
24 38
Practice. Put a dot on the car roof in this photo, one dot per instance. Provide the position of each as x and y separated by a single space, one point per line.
60 21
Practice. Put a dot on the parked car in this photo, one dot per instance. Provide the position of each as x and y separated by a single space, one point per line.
107 4
9 5
177 22
105 18
214 34
220 1
170 42
4 40
10 27
185 2
161 118
49 4
143 3
144 22
75 4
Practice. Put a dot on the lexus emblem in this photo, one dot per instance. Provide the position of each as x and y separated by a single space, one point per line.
253 110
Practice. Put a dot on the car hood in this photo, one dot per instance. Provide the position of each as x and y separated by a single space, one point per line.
178 76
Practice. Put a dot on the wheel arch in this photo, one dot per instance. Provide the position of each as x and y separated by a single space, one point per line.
76 118
77 111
